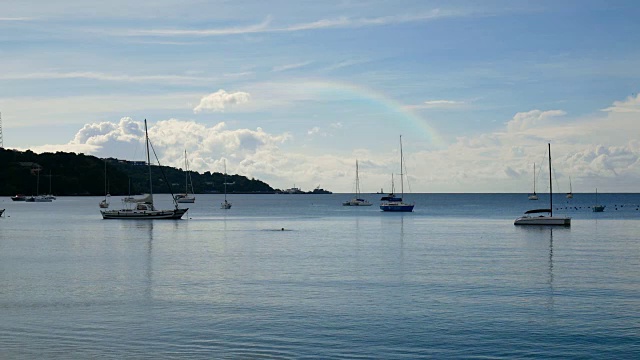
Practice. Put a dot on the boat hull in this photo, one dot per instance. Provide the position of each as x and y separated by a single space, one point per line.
127 214
356 202
396 207
543 220
187 200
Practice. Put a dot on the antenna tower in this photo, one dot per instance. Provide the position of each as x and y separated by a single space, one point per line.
1 140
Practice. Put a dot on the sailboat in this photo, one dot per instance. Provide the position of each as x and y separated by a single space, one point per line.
185 198
534 196
391 196
104 204
530 219
38 197
357 201
50 194
396 204
597 207
144 209
225 204
570 193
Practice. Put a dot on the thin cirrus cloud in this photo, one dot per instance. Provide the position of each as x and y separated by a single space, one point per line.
221 100
89 75
290 66
266 25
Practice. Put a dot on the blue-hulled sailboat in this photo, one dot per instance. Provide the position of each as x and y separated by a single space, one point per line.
394 203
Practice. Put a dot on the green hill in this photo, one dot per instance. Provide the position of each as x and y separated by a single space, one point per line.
79 174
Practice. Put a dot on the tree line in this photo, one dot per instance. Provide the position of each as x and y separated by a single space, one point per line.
71 174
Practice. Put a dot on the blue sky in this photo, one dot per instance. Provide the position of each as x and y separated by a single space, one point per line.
293 92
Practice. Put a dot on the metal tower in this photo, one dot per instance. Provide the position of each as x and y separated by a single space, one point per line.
1 140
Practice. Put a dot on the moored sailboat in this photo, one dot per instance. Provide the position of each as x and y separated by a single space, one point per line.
597 207
357 200
570 193
529 219
104 203
186 198
397 204
225 204
144 209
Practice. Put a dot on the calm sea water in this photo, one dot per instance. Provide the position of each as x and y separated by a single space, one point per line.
454 279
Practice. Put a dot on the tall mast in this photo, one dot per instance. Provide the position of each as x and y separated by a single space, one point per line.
401 167
146 135
550 184
186 173
357 181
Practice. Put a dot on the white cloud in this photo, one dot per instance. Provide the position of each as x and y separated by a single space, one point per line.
592 150
290 66
629 105
525 120
333 23
221 100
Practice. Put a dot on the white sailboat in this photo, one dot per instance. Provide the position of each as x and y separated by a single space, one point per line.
570 193
397 204
144 209
186 198
534 196
225 204
38 197
531 218
357 200
104 203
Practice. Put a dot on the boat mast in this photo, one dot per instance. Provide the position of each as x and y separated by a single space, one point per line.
186 173
357 181
550 184
146 135
401 166
534 178
225 180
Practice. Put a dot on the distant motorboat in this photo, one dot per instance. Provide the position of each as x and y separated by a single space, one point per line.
529 219
19 197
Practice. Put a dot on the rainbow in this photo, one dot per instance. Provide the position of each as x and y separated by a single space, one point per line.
393 108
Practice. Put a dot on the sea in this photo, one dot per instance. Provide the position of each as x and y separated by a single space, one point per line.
284 276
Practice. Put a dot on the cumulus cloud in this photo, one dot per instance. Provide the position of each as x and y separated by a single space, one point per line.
629 105
525 120
592 149
221 100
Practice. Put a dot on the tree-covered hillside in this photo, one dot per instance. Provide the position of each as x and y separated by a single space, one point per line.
78 174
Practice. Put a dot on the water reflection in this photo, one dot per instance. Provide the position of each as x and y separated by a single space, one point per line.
550 297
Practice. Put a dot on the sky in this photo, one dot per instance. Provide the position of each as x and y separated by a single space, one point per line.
293 93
